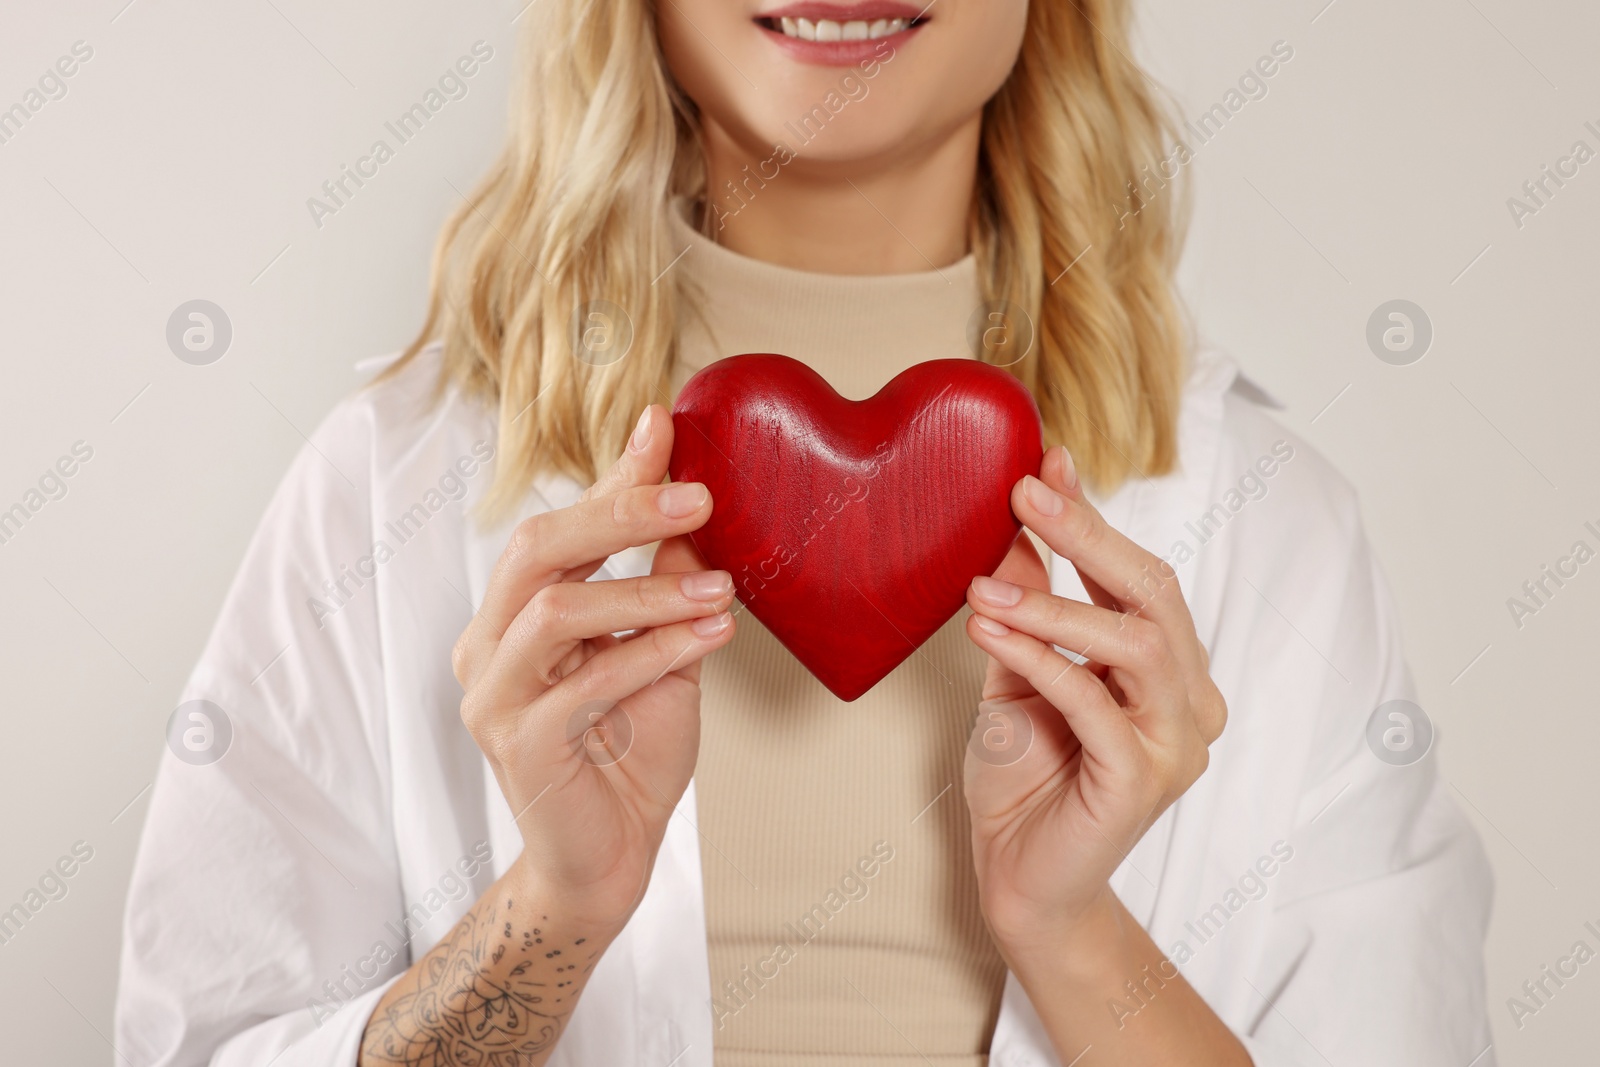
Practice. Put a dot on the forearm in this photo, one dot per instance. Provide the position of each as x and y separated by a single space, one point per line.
1107 994
504 980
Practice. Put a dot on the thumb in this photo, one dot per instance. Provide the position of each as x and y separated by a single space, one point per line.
676 555
1022 565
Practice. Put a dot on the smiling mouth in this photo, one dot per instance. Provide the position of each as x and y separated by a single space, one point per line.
830 30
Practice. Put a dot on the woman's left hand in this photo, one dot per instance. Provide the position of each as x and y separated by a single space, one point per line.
1071 763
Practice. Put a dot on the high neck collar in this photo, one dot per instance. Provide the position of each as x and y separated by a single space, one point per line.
711 264
857 331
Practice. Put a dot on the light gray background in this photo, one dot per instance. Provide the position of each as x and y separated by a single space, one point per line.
1377 167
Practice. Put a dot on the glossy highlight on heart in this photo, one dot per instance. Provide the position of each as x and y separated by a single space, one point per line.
853 528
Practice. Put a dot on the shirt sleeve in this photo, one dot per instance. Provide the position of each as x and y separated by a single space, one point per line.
254 931
1376 940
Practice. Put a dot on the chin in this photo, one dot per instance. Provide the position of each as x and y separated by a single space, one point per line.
853 115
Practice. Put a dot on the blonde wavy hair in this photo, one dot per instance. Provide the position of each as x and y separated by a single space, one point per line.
1069 223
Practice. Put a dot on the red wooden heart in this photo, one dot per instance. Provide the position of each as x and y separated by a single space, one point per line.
852 528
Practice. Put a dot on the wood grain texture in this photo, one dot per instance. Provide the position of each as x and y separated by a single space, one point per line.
852 528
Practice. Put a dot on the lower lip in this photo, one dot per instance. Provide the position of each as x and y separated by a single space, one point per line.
839 53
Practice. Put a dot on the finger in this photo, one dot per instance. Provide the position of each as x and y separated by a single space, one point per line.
1061 474
607 678
1137 648
676 555
1022 565
644 460
1075 530
553 546
547 547
517 576
621 671
537 647
1099 724
643 463
1137 580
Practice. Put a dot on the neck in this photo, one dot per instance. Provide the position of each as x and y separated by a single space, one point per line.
890 216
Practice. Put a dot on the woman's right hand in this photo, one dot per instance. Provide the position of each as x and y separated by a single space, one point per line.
593 737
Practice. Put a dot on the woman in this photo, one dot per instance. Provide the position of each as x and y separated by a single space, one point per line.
460 822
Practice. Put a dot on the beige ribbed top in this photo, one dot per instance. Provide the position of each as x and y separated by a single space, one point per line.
841 905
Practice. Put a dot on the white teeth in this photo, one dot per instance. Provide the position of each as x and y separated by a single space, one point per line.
828 30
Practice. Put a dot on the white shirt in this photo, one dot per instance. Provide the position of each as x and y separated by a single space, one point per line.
1330 906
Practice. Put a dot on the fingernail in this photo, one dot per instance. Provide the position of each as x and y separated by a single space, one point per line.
641 433
1069 470
682 499
1041 496
989 626
712 625
994 591
706 585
